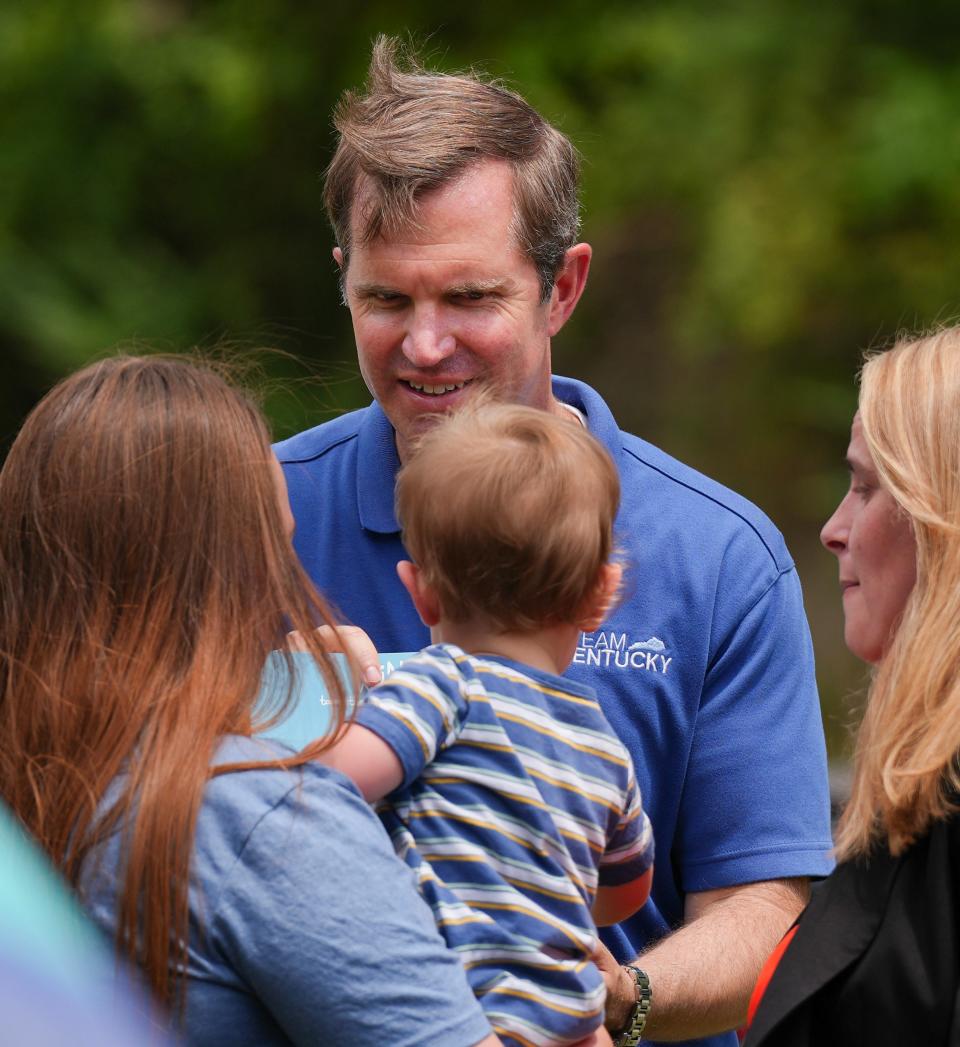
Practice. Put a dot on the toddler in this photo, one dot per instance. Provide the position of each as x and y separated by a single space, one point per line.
502 783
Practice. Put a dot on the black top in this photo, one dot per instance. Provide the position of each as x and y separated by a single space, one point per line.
876 956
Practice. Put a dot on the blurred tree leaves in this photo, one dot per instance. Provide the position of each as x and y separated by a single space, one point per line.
770 187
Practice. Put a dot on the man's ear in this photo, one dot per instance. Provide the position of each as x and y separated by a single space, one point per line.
569 285
600 601
424 597
338 258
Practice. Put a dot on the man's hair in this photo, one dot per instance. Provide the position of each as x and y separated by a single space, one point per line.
509 511
412 131
906 773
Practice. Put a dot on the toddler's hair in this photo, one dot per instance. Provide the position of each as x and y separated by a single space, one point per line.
508 511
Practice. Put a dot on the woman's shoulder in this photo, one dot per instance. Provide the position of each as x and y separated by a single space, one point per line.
237 804
271 782
302 901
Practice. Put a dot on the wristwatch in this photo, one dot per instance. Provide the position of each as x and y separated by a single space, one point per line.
633 1030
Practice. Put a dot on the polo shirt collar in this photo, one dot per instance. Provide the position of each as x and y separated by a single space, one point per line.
377 467
378 461
600 421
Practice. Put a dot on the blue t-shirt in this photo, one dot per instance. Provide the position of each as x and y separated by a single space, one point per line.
517 802
705 669
305 928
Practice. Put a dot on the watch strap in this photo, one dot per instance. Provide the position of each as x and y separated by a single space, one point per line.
633 1030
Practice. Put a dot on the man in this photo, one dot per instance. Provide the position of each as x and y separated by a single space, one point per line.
456 215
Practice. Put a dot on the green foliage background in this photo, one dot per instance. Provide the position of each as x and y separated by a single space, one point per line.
770 186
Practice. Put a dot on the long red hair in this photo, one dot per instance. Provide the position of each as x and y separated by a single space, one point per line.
145 575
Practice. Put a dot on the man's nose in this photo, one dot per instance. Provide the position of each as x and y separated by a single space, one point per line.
428 341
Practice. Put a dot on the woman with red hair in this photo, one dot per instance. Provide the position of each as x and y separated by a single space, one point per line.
146 572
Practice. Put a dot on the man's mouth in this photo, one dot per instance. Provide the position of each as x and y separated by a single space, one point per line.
435 390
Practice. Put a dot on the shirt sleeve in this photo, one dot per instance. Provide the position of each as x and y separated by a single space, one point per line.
756 801
324 925
419 710
629 850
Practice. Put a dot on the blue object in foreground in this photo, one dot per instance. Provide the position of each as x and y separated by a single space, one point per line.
59 981
309 716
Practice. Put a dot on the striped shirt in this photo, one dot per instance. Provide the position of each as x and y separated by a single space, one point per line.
517 802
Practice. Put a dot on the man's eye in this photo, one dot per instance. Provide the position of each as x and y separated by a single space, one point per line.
469 296
387 297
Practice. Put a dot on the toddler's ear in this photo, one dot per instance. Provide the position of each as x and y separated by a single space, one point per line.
600 601
423 596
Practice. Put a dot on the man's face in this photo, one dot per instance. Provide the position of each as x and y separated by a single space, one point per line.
449 306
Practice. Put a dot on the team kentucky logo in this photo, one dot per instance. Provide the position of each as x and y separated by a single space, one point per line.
611 649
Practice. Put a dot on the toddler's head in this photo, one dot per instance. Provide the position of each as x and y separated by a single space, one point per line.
508 512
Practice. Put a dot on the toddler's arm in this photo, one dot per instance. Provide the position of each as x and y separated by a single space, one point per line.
402 725
613 904
367 759
629 852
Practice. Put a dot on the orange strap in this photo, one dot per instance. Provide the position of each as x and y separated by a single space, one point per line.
766 973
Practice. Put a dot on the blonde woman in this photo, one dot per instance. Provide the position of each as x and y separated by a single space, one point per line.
875 959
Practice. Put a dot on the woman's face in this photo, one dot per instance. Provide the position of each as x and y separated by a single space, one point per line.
873 539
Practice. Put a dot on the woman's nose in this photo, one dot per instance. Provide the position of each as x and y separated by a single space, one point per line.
833 535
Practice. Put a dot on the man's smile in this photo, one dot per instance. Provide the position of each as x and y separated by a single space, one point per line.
435 389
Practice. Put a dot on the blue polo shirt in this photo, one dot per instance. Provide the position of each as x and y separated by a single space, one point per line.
705 669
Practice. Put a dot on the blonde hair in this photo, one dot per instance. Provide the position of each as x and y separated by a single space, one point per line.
905 767
509 512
